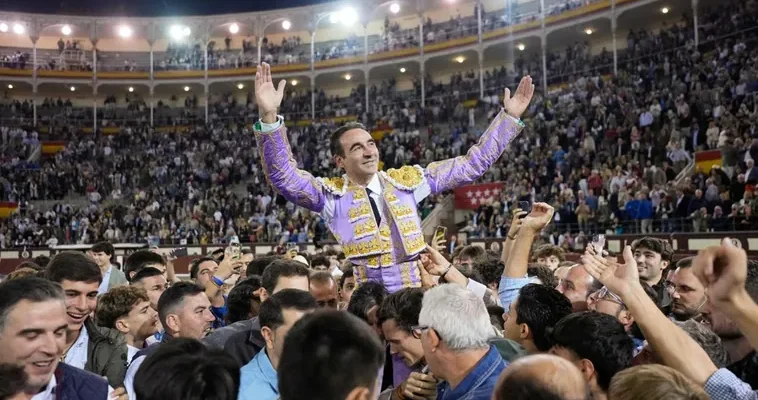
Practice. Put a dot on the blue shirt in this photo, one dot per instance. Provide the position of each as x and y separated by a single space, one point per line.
479 383
220 314
509 289
724 385
103 288
258 379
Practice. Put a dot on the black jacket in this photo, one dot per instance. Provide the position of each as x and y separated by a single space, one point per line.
242 340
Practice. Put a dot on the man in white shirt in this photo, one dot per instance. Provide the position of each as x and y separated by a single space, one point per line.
33 327
101 253
127 310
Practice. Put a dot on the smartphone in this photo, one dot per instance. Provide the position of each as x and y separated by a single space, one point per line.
236 250
440 233
598 243
525 206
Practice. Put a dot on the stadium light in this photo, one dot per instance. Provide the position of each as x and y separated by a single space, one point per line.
73 89
665 10
234 28
521 47
394 8
460 59
347 16
178 32
131 89
588 31
3 27
66 30
293 82
240 86
402 70
348 77
186 88
286 25
18 29
124 31
10 86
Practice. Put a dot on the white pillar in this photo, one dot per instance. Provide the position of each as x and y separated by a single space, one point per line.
423 86
34 107
94 116
260 43
481 73
152 111
479 20
544 63
313 50
207 100
615 45
152 63
313 98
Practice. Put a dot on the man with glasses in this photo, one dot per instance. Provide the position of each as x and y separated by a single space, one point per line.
686 291
606 302
454 329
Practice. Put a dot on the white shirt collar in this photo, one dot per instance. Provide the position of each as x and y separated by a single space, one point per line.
375 185
47 394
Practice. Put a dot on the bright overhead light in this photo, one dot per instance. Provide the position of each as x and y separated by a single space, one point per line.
460 59
521 47
402 70
665 10
588 31
394 8
10 86
73 89
286 25
240 86
178 32
186 88
3 27
66 30
348 77
234 28
124 31
293 82
18 29
347 16
131 89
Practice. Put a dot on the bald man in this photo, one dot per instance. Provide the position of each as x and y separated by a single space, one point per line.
323 287
541 376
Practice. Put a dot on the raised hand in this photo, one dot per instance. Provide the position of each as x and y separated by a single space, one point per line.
435 264
516 222
723 271
538 218
516 105
618 278
267 96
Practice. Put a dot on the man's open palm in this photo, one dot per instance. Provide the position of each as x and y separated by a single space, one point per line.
268 97
516 105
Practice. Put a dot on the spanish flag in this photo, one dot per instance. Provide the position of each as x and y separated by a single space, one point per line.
7 209
705 160
51 148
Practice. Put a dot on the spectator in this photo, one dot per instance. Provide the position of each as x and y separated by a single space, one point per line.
577 286
687 292
154 283
126 309
654 382
653 257
102 253
541 376
244 300
536 310
323 287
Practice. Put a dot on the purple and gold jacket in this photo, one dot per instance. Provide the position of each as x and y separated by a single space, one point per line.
385 252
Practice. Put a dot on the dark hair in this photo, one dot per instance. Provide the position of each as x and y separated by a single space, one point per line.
41 261
367 295
547 250
541 307
751 280
491 270
327 354
403 306
174 296
32 289
322 277
146 272
73 266
257 266
282 268
117 303
272 310
137 261
195 371
12 380
319 260
103 247
31 265
334 141
238 302
496 316
685 262
660 246
599 338
194 267
543 273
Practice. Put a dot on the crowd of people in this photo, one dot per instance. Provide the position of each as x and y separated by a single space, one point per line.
518 323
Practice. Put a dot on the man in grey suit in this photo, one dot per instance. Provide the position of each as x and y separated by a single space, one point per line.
102 253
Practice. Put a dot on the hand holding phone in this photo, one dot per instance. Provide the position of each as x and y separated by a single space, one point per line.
598 243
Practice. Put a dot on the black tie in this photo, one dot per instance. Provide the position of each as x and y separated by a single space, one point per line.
374 207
